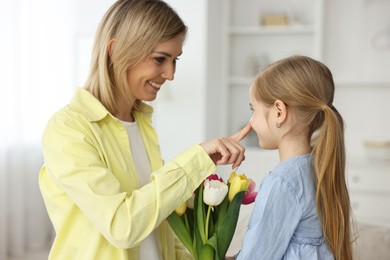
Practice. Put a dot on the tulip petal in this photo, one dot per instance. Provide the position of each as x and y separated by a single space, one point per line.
235 186
214 192
252 185
245 184
181 209
249 197
232 175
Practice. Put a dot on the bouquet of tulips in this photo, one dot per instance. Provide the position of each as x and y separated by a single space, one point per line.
206 222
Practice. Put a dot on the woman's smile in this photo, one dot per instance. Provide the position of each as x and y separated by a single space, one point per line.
155 86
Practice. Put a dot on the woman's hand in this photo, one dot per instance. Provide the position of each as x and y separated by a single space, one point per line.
227 150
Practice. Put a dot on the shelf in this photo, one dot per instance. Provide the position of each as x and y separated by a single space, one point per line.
267 30
248 47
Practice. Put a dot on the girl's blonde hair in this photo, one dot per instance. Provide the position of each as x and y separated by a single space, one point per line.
127 34
306 86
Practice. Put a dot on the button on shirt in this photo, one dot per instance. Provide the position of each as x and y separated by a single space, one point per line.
284 222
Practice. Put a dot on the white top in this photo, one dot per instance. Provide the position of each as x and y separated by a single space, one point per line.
149 247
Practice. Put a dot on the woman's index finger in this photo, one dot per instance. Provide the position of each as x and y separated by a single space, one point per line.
241 134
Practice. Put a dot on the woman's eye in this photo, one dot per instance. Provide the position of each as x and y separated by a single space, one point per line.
160 59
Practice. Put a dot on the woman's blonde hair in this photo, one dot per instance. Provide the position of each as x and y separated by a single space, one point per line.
127 34
306 86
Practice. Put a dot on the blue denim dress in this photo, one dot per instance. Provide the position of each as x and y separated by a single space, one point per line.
284 222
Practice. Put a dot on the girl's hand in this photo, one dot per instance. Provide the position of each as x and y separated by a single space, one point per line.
227 150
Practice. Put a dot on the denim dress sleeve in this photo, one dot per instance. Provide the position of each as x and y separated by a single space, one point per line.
274 219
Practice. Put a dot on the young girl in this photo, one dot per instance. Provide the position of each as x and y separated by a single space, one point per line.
302 210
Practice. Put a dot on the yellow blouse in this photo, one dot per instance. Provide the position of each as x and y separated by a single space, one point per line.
92 190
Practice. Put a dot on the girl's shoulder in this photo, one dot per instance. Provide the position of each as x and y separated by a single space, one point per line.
294 174
292 168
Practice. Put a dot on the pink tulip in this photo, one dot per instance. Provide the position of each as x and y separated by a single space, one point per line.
215 177
250 195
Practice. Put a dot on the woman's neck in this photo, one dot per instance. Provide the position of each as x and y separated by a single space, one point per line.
128 117
124 110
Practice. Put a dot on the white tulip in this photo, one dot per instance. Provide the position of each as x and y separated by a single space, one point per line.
214 192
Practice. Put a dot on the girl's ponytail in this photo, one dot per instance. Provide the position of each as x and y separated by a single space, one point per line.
332 194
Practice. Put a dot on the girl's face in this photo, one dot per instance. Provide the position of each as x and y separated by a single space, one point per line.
146 78
262 122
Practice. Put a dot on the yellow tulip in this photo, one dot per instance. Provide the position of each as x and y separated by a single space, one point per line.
237 183
181 209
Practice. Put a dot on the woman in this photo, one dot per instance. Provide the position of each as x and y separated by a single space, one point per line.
104 184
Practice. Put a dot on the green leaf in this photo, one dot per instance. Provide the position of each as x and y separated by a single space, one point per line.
213 242
190 217
222 209
181 231
228 225
200 214
198 244
207 252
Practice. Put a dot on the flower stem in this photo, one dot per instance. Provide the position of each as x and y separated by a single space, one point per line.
207 222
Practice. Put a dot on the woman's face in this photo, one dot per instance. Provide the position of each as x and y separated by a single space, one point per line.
261 122
146 78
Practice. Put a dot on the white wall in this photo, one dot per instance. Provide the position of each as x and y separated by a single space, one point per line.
88 15
357 39
357 50
180 107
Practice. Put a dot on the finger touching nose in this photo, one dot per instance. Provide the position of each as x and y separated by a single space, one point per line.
242 133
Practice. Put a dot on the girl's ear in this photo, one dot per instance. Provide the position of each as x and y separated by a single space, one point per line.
280 112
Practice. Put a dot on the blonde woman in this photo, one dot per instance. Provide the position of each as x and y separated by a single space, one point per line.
302 210
103 181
